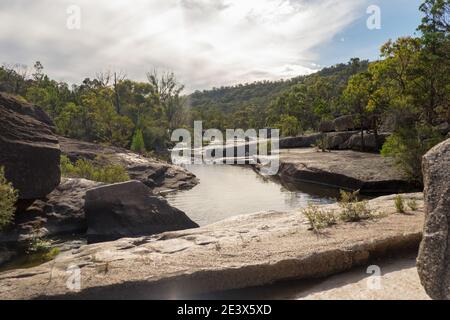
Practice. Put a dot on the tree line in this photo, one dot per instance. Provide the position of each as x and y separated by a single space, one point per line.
407 88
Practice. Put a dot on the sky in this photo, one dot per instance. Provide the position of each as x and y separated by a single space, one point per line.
206 43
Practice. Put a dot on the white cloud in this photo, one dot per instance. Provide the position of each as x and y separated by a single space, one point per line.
206 43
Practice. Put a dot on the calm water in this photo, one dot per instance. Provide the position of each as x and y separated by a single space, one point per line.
225 191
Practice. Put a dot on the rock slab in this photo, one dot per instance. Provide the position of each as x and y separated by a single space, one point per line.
29 149
240 252
349 170
434 257
129 209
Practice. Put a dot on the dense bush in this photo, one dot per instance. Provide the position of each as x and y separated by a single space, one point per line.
111 173
8 199
408 145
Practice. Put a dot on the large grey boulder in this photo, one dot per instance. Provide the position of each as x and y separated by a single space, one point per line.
60 213
371 142
326 126
29 149
129 209
433 262
344 123
337 140
300 141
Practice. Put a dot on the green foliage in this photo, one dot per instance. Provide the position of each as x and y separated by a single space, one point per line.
315 97
408 85
288 125
412 204
110 173
408 145
319 219
138 144
353 210
399 204
8 199
39 245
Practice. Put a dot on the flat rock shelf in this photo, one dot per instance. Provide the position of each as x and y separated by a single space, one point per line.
371 173
243 251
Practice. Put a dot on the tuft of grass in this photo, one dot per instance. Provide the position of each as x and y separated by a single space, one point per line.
109 173
8 199
399 204
412 204
319 219
353 210
322 144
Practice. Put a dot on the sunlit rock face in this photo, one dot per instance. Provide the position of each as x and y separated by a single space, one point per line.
434 256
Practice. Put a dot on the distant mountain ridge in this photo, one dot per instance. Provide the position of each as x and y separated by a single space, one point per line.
262 93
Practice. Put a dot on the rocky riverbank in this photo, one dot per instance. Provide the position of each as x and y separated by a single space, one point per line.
240 252
51 206
370 173
158 175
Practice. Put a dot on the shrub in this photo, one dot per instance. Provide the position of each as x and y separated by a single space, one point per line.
412 204
319 219
138 144
39 245
109 173
353 210
399 204
8 199
407 147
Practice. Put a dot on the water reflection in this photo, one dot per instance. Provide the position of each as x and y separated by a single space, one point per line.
225 191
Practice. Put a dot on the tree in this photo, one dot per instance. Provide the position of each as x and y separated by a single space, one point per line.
38 74
408 145
434 59
168 91
357 95
288 125
138 144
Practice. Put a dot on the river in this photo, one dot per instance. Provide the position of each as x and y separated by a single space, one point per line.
229 190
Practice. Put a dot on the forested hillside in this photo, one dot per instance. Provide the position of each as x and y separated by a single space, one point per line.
256 104
409 85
